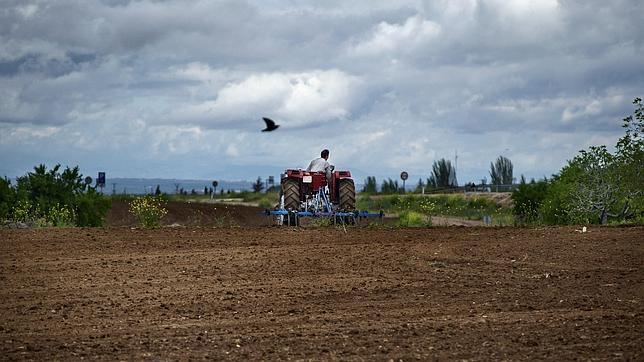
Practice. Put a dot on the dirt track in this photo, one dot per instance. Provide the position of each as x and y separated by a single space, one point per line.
269 293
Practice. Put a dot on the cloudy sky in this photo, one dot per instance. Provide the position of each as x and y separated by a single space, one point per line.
177 89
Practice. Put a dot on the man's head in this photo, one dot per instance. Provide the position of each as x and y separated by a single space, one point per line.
324 154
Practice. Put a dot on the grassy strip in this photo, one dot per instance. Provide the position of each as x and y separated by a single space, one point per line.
444 205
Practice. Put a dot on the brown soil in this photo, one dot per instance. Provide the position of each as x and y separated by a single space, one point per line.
293 293
192 214
454 221
235 214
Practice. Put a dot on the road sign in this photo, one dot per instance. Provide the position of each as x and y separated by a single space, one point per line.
404 176
88 180
100 181
215 184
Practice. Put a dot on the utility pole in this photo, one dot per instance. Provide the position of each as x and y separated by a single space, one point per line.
455 160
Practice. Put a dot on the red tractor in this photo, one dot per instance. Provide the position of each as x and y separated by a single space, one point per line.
318 193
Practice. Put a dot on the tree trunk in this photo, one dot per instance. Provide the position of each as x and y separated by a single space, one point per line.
603 218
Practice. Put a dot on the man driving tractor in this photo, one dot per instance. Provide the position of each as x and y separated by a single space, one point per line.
321 164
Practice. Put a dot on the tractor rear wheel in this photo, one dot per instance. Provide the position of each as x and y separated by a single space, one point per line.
291 192
347 195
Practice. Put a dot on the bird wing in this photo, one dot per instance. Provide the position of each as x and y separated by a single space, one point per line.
269 122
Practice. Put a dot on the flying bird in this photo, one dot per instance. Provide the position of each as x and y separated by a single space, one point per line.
270 125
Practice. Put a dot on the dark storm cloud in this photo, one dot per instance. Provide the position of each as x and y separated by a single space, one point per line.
48 67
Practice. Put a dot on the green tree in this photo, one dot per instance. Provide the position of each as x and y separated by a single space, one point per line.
596 188
370 185
629 160
389 187
7 198
501 171
597 185
443 174
258 186
555 208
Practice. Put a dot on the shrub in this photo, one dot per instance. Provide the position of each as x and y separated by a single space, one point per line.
528 199
50 197
23 211
7 198
266 203
148 210
413 219
47 188
61 216
92 208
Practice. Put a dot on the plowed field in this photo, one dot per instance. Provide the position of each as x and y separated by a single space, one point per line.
368 294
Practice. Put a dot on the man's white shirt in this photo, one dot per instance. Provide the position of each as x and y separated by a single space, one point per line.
317 165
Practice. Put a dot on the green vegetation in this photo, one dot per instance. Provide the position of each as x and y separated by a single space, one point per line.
258 185
527 199
8 200
501 171
443 174
596 186
370 185
391 187
52 198
149 210
435 205
413 219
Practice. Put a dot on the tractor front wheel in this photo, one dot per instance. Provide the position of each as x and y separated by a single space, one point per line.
347 195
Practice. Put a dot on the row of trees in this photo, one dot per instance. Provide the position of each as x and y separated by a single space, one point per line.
443 176
52 197
594 187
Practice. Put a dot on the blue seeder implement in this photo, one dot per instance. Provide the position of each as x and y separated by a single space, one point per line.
318 195
292 218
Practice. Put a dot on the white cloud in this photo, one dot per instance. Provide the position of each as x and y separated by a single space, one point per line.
20 135
394 38
586 107
28 10
169 140
200 72
300 98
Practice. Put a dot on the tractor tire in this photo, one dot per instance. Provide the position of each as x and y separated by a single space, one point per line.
347 195
291 192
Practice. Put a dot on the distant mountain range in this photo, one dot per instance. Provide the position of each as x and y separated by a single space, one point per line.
138 186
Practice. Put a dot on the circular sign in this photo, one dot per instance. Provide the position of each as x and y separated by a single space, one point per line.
215 183
88 180
404 175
